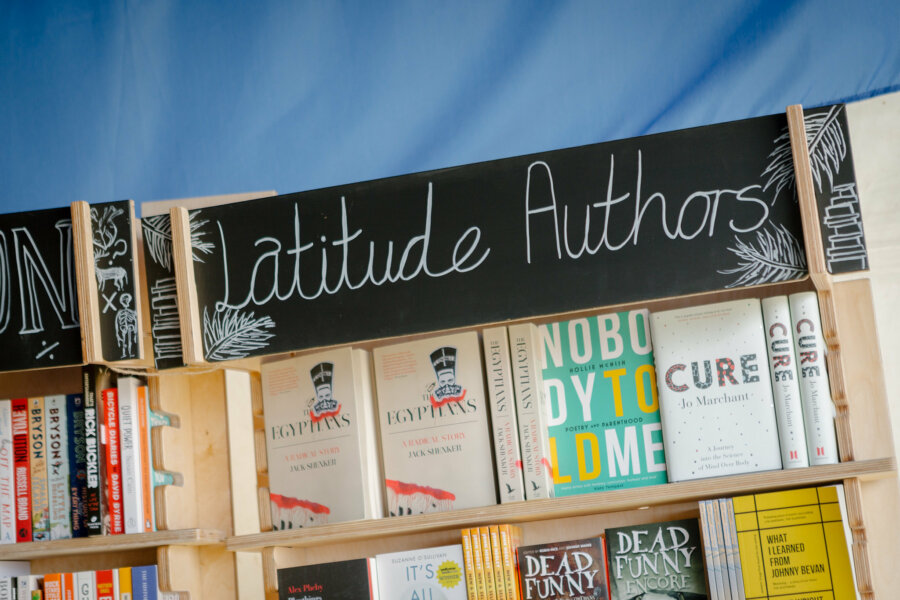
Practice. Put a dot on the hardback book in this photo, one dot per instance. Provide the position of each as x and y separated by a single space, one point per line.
715 394
794 544
504 425
344 580
144 583
603 419
84 585
319 435
785 382
77 457
146 466
58 467
575 569
531 410
7 476
113 460
22 469
433 417
815 391
656 560
427 574
132 492
510 540
40 496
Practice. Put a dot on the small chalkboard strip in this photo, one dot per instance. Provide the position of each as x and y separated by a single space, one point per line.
188 310
88 297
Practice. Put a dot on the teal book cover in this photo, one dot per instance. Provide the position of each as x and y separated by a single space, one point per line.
602 405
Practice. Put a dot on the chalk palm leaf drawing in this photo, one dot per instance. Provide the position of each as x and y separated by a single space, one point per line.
230 333
158 238
827 148
775 256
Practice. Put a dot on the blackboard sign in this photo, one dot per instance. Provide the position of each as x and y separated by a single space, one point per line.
159 268
39 324
661 215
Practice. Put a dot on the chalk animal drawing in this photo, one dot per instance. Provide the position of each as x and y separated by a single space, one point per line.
117 275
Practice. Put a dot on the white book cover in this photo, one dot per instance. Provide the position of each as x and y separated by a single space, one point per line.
715 393
531 410
7 483
426 574
818 407
132 491
84 585
433 420
56 434
317 427
507 454
785 382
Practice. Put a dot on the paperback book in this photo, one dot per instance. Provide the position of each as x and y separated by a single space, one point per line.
344 580
571 570
428 574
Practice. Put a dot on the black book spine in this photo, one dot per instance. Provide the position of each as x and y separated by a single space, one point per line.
93 454
77 465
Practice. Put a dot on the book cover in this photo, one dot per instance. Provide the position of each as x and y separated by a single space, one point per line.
22 468
427 574
433 417
316 439
504 425
343 580
84 585
664 558
147 500
573 569
104 583
715 395
603 418
469 564
510 540
144 583
7 476
132 494
58 467
785 382
40 497
77 464
497 559
793 544
94 380
113 460
531 411
815 390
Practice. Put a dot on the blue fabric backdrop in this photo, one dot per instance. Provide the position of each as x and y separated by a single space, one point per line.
154 100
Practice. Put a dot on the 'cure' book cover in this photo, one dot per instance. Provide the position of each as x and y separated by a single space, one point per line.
572 570
656 561
603 417
344 580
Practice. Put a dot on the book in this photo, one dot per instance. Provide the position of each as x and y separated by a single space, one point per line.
104 585
531 411
94 380
40 497
510 540
729 540
435 439
53 586
715 395
430 573
144 583
344 580
504 425
68 587
469 564
7 586
147 501
27 584
7 476
497 560
113 460
575 569
124 583
58 467
77 464
785 382
794 544
84 584
129 435
22 467
478 560
603 418
706 534
317 431
657 558
487 562
723 585
815 391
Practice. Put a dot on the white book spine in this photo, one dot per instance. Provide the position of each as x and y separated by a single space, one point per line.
23 587
724 562
6 592
84 585
533 439
7 493
727 506
715 550
369 445
507 454
56 435
818 408
706 528
132 494
785 382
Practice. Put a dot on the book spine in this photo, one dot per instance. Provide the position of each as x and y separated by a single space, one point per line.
143 406
785 382
533 440
77 465
6 592
469 564
132 495
497 559
95 503
125 591
7 476
57 467
85 582
478 559
487 557
706 529
53 586
818 408
23 587
508 547
731 550
113 462
105 585
68 587
22 469
40 498
719 546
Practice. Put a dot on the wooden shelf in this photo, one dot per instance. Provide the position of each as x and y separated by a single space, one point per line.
110 543
570 506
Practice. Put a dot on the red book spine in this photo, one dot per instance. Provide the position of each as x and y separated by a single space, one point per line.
104 582
113 462
68 587
21 469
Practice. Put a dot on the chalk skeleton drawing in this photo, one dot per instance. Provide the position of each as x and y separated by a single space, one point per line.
126 326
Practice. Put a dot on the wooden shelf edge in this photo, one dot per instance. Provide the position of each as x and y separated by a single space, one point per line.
570 506
111 543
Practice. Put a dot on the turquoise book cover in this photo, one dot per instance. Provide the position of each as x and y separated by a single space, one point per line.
602 405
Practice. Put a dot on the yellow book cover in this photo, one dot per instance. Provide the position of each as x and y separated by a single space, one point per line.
478 559
487 558
40 492
497 557
510 538
792 544
125 583
469 565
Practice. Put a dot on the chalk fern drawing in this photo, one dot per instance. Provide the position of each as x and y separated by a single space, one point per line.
773 256
827 148
158 238
230 333
197 233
